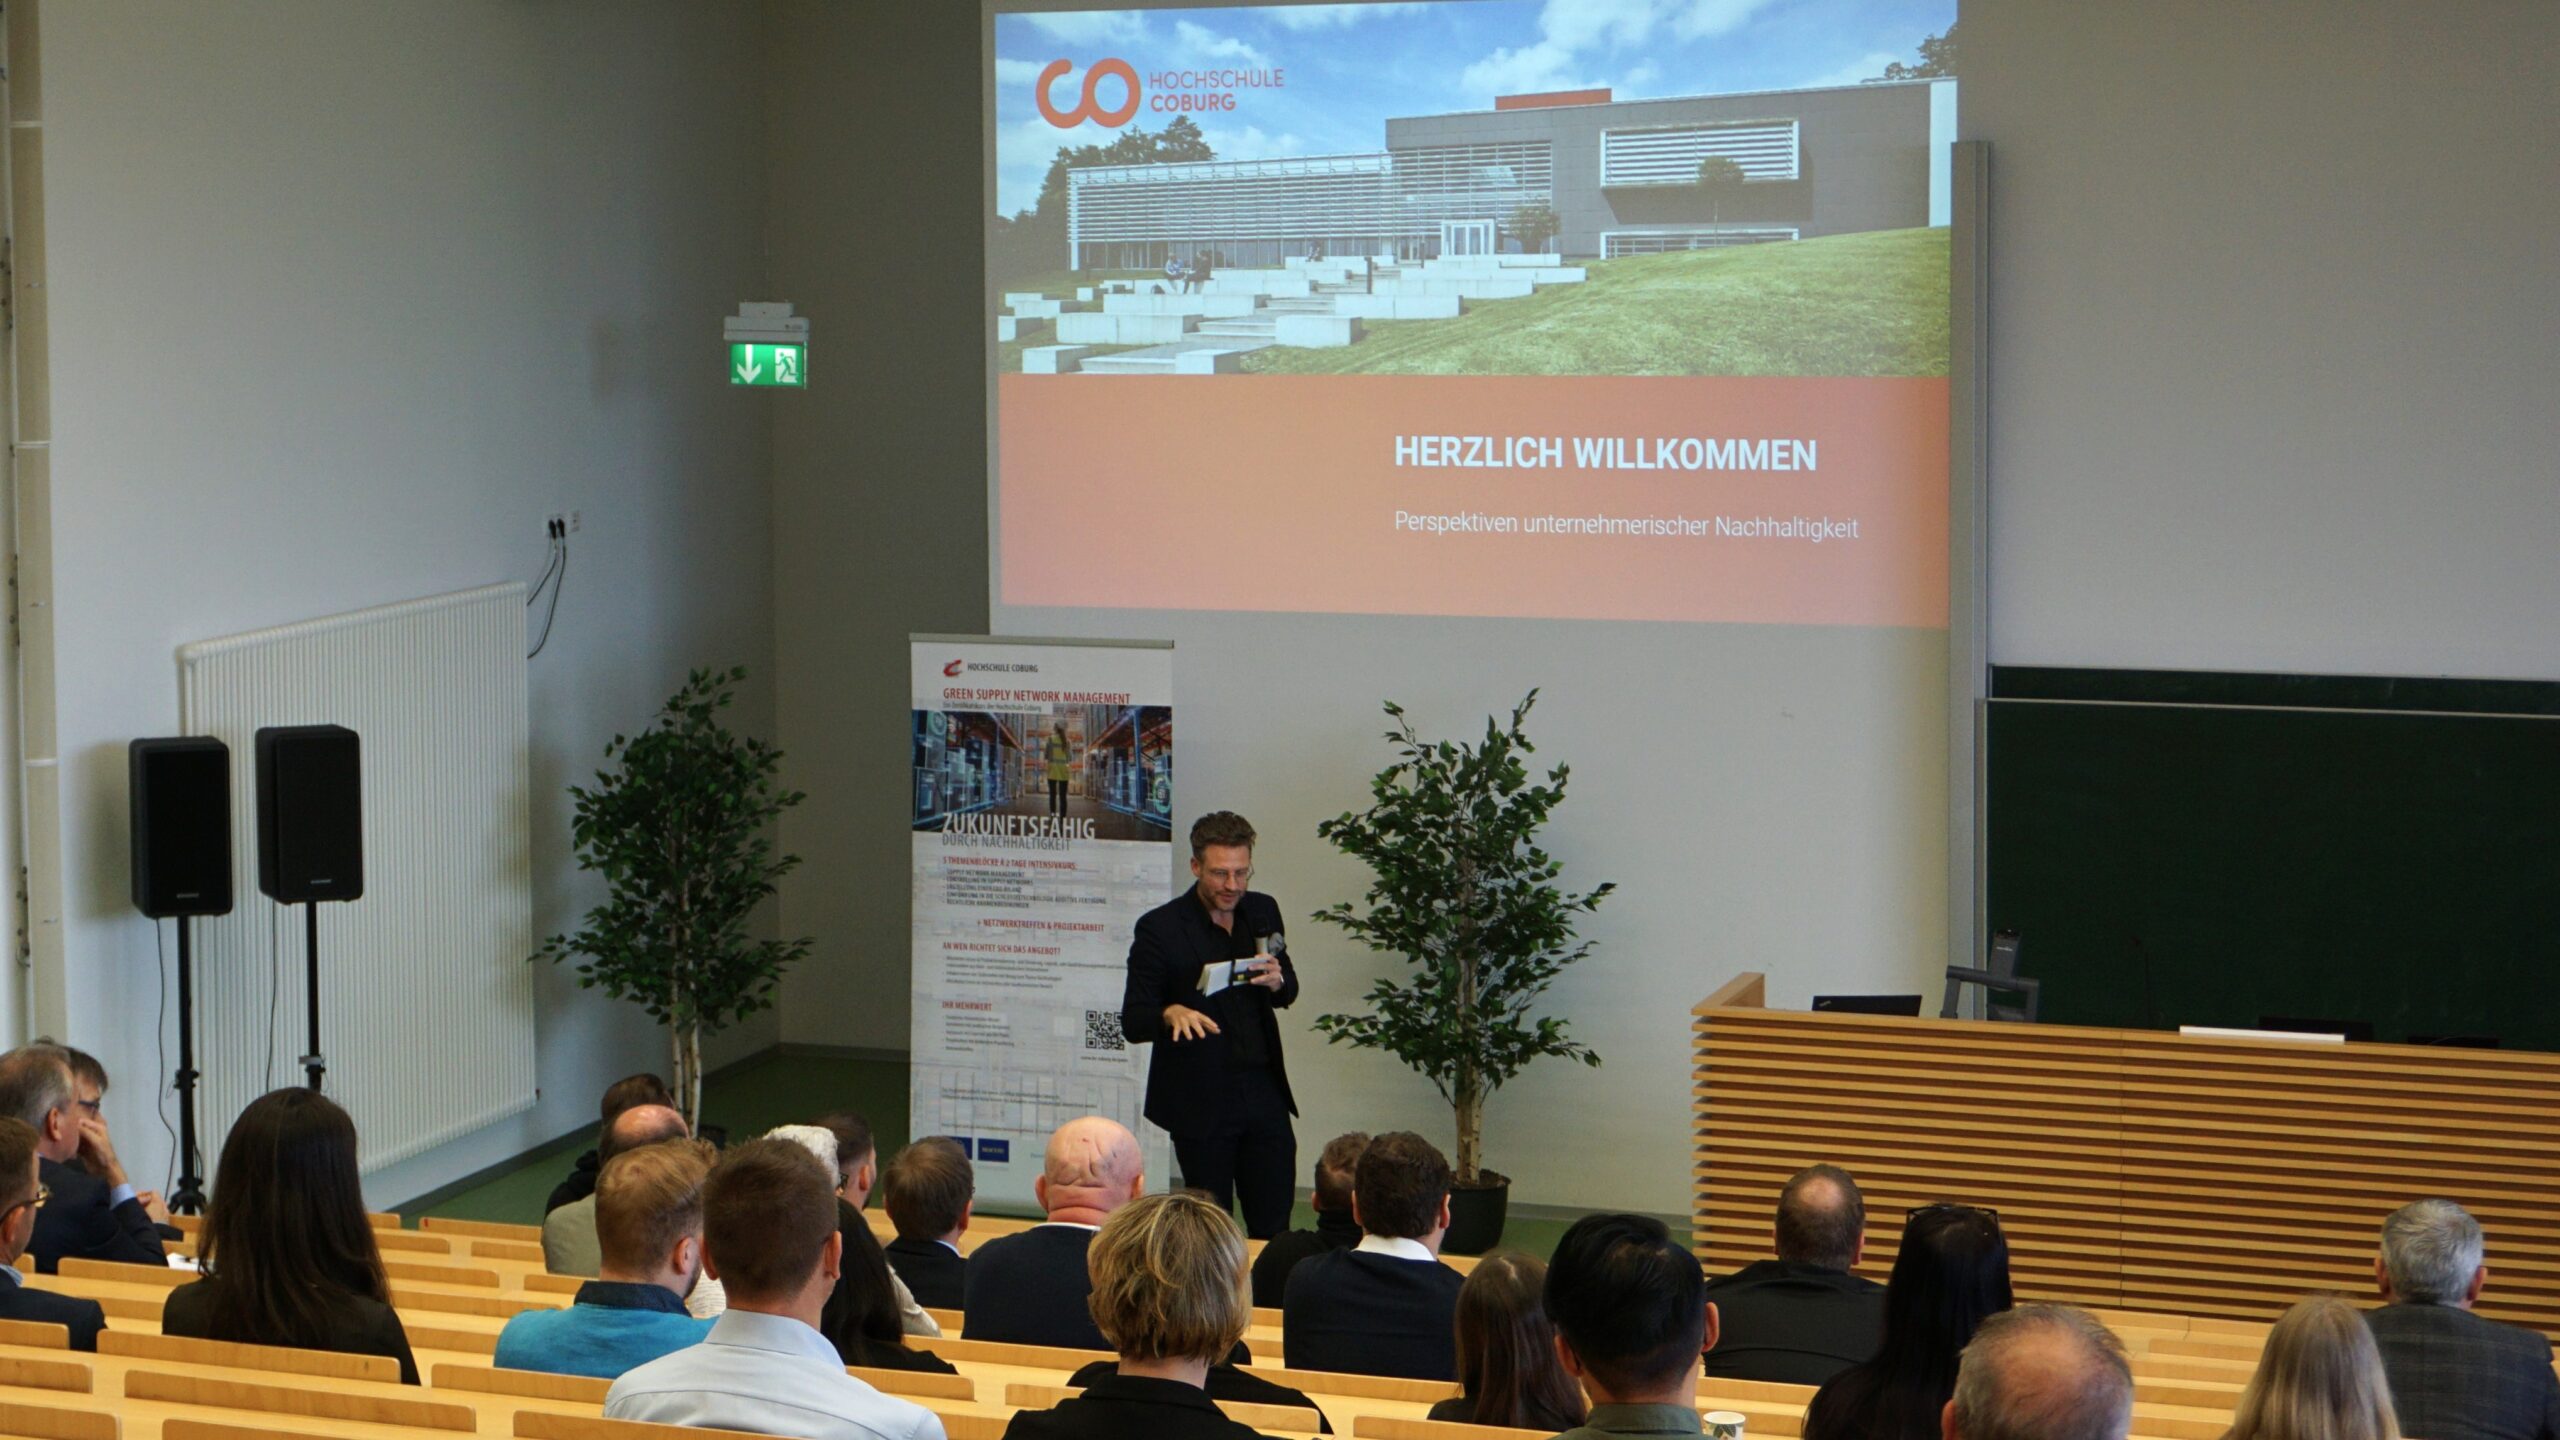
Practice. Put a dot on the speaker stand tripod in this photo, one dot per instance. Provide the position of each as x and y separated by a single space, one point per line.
314 1064
188 1198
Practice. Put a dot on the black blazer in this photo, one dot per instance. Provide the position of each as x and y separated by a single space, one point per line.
937 1278
2455 1376
1029 1288
1226 1382
1335 1230
1793 1323
77 1221
1362 1314
879 1355
1187 1081
1118 1408
83 1318
368 1327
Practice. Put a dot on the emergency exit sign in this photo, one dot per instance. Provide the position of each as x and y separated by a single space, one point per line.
769 365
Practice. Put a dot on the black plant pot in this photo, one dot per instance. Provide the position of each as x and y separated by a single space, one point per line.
1476 1213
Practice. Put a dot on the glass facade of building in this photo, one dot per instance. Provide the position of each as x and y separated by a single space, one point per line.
1256 212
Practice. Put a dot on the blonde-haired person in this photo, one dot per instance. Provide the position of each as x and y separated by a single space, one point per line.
2320 1379
1171 1294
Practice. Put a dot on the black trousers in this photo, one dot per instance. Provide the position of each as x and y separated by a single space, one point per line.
1255 1161
1058 798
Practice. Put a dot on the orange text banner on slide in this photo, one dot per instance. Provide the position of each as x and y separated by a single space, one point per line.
1285 492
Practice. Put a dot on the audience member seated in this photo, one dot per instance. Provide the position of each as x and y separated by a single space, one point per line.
2454 1376
857 1164
1507 1362
89 1099
1951 1275
287 1250
1803 1317
1632 1317
621 1095
22 1194
569 1233
2320 1378
862 1317
1387 1306
1336 1228
649 1225
929 1190
1030 1288
92 1216
1170 1292
2042 1372
771 1237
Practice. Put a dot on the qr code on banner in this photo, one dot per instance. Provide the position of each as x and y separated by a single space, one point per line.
1102 1030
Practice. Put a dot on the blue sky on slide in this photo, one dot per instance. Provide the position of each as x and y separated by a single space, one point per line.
1347 68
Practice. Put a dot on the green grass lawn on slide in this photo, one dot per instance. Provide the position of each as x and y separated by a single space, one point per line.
1867 304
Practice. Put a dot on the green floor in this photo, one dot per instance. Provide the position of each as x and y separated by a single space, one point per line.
779 1089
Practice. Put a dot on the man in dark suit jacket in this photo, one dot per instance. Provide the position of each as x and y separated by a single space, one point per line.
928 1191
1029 1288
1208 970
1336 1227
1387 1305
21 1197
94 1217
1804 1317
2454 1376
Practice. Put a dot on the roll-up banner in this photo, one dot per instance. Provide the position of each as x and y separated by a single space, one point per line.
1043 828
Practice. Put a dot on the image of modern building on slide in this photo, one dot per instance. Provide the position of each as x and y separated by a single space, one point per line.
1621 177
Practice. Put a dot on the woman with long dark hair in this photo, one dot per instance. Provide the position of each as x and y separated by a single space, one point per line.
1951 1274
287 1251
861 1318
1507 1363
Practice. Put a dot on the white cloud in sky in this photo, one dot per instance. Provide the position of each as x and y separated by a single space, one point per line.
1017 72
1636 81
1251 143
1575 37
1199 42
1088 27
1698 19
1525 71
1866 67
1330 17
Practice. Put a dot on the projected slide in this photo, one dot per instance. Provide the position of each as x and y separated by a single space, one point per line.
1608 309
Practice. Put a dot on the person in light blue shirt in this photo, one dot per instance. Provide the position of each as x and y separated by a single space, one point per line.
649 1231
769 1224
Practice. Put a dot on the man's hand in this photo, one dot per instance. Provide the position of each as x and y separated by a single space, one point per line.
153 1206
1266 973
1184 1023
98 1153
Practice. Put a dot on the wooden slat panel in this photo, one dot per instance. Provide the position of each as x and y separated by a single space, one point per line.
44 1422
283 1359
35 1332
297 1400
2213 1179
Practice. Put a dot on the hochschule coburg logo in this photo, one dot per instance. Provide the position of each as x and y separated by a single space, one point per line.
953 669
1089 105
1175 90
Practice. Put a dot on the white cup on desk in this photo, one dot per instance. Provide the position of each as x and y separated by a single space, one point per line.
1722 1424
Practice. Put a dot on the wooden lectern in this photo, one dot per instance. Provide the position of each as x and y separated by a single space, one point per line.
2132 1169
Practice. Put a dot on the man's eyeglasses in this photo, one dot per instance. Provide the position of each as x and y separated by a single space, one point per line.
44 1192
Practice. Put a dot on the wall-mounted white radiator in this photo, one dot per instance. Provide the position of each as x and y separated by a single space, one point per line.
426 997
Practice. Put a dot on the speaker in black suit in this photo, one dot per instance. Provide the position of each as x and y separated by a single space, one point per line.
310 814
181 791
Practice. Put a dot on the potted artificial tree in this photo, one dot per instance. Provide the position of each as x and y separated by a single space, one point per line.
682 831
1461 890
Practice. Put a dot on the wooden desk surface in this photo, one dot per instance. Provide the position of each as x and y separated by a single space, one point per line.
2137 1169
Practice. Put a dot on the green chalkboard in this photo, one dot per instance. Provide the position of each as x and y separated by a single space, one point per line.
2182 849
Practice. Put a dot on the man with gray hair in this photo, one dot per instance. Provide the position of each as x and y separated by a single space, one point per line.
1805 1316
83 1216
2454 1376
2041 1372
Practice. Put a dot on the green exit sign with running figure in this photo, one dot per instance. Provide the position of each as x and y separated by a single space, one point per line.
751 364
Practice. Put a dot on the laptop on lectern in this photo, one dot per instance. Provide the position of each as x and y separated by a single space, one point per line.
1868 1004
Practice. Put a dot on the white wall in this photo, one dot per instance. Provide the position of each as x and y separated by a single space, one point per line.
346 299
2275 333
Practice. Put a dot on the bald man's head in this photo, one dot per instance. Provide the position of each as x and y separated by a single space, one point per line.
1092 1168
2041 1372
641 1125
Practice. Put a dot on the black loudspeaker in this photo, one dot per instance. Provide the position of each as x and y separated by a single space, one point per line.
310 814
181 789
